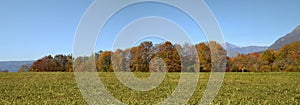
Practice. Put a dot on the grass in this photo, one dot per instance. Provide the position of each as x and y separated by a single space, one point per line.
237 88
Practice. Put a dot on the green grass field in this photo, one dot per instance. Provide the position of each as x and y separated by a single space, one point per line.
237 88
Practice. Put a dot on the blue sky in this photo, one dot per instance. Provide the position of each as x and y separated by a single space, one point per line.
255 22
31 29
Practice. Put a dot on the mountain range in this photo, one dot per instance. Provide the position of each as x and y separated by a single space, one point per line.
233 50
13 66
287 39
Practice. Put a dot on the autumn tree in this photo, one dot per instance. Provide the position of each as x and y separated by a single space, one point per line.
141 57
189 57
104 62
42 65
60 63
288 57
69 64
168 53
267 59
246 63
218 56
204 57
253 62
118 60
85 64
24 68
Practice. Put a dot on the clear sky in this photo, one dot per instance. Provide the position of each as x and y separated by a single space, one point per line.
31 29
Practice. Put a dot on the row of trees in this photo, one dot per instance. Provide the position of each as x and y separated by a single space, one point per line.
285 59
204 57
58 63
160 57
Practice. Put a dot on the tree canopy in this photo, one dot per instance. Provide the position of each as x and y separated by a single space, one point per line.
204 57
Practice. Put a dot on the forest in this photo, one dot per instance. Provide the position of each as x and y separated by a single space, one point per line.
146 57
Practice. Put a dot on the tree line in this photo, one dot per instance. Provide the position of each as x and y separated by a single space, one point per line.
286 59
146 57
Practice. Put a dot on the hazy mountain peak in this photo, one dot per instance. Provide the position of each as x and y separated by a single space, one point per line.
13 66
297 29
233 50
229 45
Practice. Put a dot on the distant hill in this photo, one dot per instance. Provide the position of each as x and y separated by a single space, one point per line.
13 66
287 39
233 50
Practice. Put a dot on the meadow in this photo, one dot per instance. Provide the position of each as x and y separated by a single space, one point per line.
238 88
